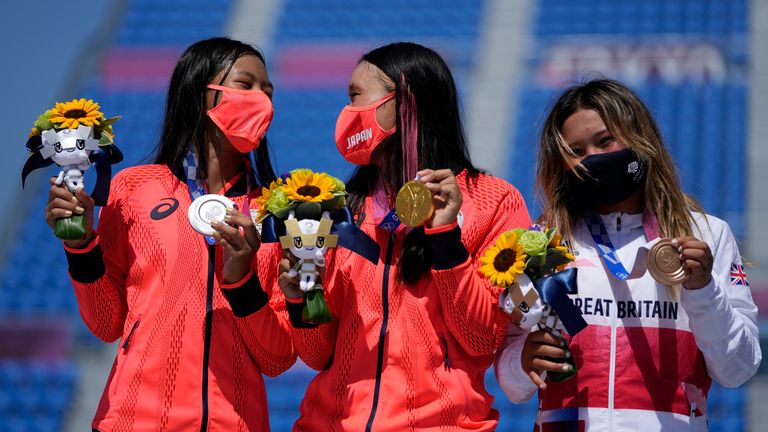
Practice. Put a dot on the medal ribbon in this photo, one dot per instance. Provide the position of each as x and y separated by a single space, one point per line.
194 183
389 221
605 248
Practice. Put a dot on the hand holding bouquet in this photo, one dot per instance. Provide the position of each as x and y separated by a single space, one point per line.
531 267
74 135
303 200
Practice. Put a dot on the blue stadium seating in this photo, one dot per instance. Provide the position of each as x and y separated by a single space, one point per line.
703 123
35 396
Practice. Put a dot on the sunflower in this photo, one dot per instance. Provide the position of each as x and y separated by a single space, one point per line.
503 261
265 194
70 115
308 186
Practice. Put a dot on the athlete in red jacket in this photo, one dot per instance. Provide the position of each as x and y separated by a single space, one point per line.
196 328
414 332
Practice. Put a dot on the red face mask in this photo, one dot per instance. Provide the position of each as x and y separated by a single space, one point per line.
358 132
243 116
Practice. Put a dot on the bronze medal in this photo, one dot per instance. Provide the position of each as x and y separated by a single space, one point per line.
665 265
413 204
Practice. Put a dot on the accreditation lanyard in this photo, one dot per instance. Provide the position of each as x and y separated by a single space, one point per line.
197 186
605 248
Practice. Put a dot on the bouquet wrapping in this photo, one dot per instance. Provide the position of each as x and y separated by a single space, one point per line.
530 264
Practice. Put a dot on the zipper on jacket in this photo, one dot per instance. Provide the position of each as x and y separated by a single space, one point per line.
618 223
446 360
612 374
383 331
130 333
208 331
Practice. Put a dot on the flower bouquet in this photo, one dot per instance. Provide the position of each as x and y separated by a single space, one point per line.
531 267
74 135
303 200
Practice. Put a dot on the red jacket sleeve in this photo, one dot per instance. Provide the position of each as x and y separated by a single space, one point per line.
469 302
316 344
265 328
98 271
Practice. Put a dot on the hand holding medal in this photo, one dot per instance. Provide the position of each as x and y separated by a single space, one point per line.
684 260
434 199
665 265
216 217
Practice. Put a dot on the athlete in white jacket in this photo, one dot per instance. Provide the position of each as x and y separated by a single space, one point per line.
649 351
647 356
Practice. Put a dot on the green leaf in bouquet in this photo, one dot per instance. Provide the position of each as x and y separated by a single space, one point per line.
555 258
309 210
334 203
550 234
342 201
536 261
105 138
315 310
109 121
282 213
71 228
533 268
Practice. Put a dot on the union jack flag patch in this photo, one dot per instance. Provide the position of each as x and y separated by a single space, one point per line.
738 275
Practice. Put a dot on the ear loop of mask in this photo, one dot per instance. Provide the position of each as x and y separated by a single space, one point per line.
216 103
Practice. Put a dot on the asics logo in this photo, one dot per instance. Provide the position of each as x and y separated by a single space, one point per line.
166 207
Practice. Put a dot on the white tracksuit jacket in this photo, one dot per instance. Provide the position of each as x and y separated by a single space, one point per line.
646 359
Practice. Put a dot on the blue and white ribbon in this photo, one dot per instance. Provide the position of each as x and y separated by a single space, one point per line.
605 248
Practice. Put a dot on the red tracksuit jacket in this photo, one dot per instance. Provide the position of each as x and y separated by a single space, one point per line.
398 357
189 358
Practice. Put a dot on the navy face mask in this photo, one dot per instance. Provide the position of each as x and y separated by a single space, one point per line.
610 178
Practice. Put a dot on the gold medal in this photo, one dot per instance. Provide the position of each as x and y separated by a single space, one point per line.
413 204
665 265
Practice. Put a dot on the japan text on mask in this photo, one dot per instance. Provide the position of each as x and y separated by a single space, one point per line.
358 132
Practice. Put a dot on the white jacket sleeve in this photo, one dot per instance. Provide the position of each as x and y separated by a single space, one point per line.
723 317
517 385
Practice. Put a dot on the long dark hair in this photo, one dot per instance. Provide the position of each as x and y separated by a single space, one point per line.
412 69
629 120
185 111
